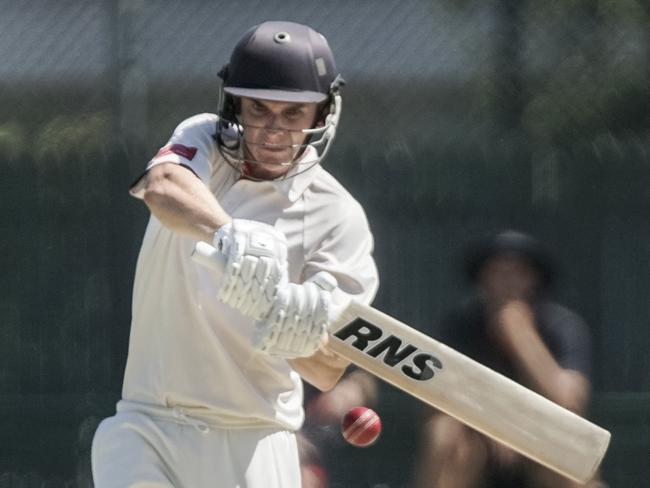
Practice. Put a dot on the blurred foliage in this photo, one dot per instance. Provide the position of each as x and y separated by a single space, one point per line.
74 136
586 102
13 140
631 12
599 78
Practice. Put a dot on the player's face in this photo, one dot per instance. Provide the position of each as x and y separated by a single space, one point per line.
272 134
505 278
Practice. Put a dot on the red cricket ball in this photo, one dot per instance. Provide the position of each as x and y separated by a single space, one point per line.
361 426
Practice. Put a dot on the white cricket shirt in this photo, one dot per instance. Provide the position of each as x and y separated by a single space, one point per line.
189 350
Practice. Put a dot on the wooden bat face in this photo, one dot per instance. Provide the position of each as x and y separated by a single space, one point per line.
393 351
472 393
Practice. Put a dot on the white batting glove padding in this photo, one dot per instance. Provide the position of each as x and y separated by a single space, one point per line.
256 264
298 319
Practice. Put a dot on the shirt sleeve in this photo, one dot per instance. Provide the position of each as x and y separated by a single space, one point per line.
191 146
346 253
570 340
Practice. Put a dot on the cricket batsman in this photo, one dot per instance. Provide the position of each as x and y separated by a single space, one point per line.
212 391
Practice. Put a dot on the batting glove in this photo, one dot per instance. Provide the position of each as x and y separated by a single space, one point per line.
298 320
256 263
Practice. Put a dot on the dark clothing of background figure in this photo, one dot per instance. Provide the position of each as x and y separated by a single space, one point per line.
566 335
563 331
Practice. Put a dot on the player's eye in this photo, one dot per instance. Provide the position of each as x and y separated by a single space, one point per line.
257 108
293 113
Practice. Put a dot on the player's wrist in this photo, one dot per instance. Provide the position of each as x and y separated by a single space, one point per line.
221 235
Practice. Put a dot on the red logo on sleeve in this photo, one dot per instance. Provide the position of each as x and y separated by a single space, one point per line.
183 151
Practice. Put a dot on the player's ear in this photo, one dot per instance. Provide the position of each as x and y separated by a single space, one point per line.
322 111
231 108
236 106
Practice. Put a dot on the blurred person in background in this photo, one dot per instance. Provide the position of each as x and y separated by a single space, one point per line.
510 325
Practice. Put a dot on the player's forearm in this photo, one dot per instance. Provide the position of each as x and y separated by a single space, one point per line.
533 360
183 203
323 369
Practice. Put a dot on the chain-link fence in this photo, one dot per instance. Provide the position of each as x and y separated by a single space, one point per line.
459 117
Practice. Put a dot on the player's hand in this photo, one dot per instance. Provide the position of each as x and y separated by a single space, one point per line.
297 324
511 320
256 264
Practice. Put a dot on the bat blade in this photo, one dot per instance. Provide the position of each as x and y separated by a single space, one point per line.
472 393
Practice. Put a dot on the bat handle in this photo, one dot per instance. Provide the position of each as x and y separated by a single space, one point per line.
208 256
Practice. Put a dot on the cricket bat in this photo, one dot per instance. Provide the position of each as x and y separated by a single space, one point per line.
479 397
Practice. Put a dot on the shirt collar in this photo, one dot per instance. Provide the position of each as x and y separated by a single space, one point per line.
296 182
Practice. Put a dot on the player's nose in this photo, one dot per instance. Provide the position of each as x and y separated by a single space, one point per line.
272 132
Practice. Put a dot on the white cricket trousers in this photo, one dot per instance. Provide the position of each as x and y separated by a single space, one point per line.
137 450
